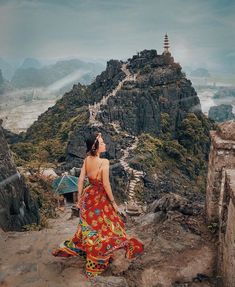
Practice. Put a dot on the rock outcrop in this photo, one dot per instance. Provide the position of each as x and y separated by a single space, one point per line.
17 208
179 248
221 113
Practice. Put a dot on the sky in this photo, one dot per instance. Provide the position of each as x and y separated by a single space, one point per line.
201 32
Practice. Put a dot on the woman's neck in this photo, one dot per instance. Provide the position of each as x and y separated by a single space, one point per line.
95 156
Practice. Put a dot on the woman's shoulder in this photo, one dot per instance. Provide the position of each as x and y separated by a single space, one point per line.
105 160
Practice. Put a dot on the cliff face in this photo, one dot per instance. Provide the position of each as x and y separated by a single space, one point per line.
17 208
159 87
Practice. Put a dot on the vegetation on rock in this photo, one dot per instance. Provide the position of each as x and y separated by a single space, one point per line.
41 191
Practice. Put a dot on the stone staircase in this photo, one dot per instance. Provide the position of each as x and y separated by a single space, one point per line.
95 109
131 206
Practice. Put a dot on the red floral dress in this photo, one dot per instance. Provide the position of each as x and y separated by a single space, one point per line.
100 232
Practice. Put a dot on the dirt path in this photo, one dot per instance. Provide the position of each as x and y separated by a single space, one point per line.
26 259
172 253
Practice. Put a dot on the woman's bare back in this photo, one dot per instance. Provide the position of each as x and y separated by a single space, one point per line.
94 167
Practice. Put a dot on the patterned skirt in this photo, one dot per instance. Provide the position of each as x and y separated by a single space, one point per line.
100 232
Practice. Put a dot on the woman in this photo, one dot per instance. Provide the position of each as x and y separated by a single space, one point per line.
101 230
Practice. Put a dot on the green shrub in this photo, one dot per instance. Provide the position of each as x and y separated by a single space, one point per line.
24 150
41 190
165 122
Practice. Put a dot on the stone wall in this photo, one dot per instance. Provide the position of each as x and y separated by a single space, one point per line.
226 248
220 199
222 155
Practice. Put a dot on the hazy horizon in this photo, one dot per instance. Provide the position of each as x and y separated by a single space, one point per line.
201 33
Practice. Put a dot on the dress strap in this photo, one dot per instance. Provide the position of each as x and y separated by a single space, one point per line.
98 170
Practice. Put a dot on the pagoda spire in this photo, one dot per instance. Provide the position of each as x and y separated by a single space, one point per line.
166 44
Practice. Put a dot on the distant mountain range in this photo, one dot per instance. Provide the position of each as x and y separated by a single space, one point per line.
30 63
31 73
10 67
28 76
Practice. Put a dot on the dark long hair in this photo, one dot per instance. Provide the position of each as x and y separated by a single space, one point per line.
92 144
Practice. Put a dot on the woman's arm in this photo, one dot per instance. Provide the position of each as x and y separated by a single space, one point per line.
81 181
106 183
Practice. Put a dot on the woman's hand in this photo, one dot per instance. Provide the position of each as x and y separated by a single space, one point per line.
78 204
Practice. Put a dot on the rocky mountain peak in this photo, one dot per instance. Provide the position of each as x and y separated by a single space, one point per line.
154 85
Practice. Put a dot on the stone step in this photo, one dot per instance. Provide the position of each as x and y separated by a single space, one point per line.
138 202
131 205
132 183
138 172
133 212
132 208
